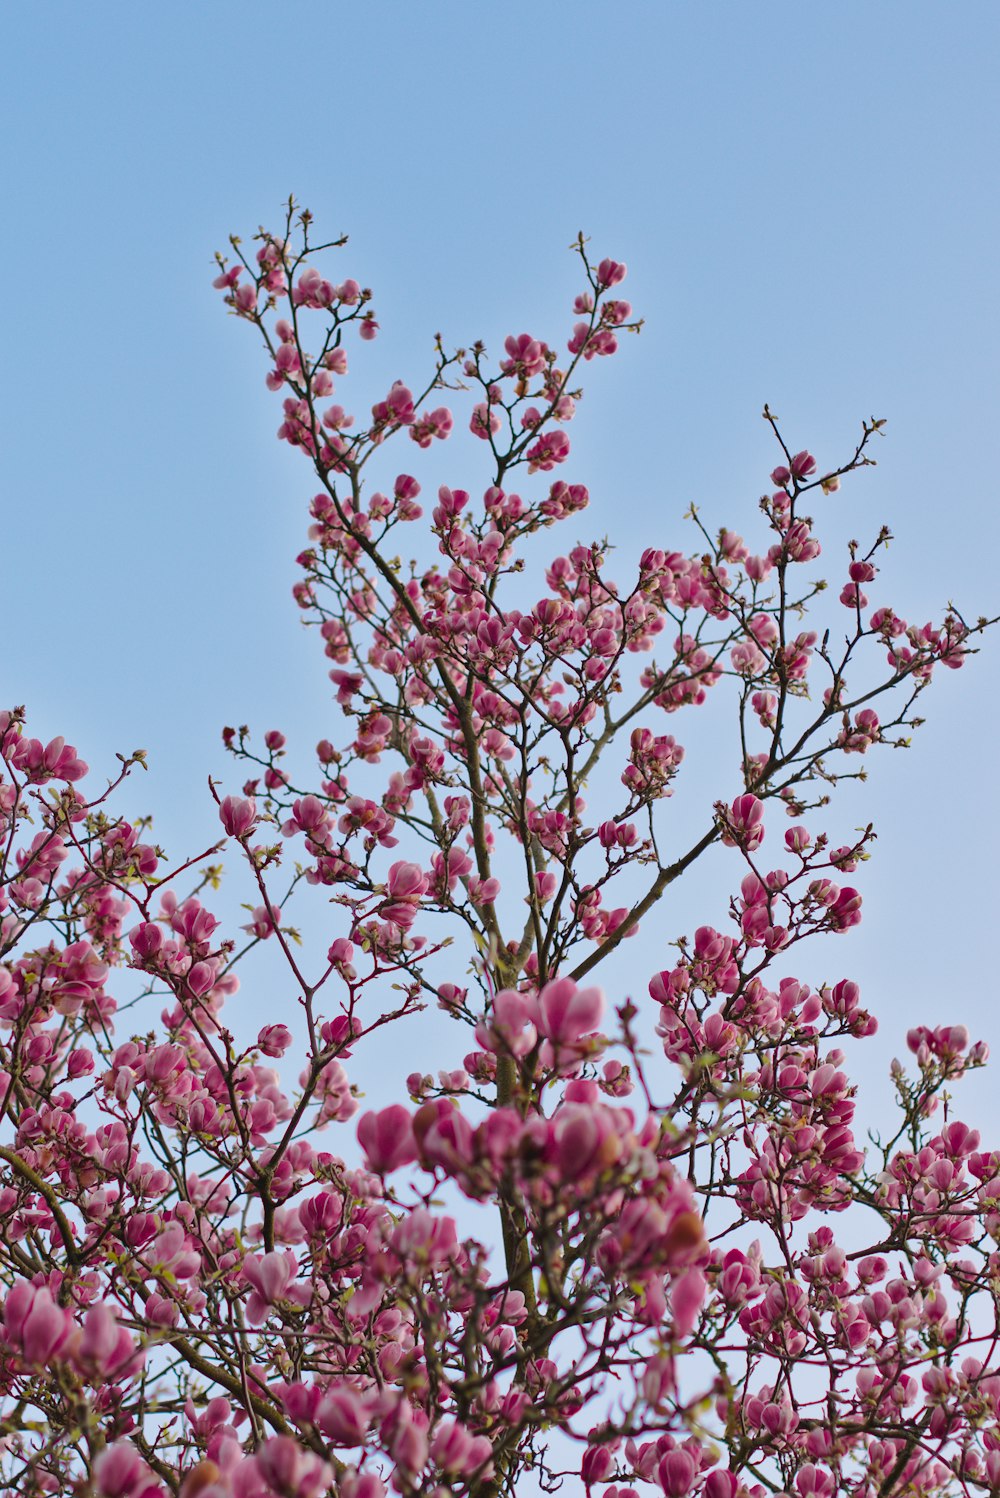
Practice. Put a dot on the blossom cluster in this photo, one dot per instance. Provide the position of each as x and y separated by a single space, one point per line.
223 1276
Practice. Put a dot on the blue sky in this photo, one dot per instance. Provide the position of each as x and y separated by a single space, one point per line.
805 196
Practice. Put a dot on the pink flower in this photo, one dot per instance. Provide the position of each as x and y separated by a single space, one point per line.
344 1415
146 940
508 1027
846 911
744 823
444 1137
421 1235
406 884
566 1013
309 815
686 1298
550 449
611 273
455 1450
647 1235
265 922
35 1325
120 1472
676 1473
484 422
55 760
584 1141
525 356
287 1467
106 1348
271 1277
483 891
431 424
274 1040
387 1138
238 815
396 409
407 881
362 1485
407 1442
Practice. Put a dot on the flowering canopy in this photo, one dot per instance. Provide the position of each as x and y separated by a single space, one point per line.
205 1295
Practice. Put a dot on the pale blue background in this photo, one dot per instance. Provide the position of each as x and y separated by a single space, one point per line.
806 197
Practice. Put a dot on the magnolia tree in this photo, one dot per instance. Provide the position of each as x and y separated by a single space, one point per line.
221 1279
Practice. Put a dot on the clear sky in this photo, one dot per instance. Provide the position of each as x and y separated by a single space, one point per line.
806 196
